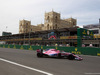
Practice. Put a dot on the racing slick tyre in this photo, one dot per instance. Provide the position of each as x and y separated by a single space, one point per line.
39 55
71 57
59 55
41 50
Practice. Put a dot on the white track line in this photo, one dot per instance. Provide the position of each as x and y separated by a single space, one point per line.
93 73
14 63
91 56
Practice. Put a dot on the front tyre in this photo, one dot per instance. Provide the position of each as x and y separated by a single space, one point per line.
59 55
71 57
39 55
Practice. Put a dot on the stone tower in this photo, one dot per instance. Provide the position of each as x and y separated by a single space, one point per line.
52 20
71 21
24 26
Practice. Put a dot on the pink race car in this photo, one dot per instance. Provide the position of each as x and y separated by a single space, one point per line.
57 53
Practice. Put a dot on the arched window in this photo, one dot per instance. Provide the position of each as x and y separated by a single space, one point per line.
48 27
53 27
47 19
26 23
56 26
56 19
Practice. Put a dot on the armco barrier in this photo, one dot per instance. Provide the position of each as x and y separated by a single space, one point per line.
76 50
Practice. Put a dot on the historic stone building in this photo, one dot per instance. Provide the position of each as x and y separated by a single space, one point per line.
52 21
25 27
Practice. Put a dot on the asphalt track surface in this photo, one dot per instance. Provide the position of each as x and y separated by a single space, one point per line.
90 65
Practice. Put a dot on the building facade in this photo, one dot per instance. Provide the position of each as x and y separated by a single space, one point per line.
25 27
52 21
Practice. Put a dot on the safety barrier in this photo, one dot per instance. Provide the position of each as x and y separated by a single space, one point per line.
76 50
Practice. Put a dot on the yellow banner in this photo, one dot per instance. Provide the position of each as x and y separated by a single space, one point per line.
68 37
22 39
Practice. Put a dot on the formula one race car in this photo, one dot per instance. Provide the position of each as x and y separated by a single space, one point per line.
57 53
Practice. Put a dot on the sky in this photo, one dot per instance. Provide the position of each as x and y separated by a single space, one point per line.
12 11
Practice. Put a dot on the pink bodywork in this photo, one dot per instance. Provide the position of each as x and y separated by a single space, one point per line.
51 51
38 50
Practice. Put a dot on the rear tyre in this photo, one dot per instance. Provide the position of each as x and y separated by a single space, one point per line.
39 55
71 57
